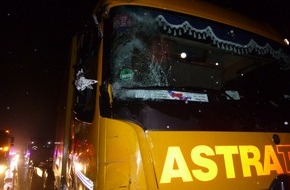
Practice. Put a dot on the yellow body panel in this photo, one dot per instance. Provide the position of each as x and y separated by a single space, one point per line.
218 160
138 159
127 162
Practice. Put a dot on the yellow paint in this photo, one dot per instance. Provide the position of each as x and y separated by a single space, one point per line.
197 158
175 165
228 152
271 162
250 157
284 150
226 160
174 155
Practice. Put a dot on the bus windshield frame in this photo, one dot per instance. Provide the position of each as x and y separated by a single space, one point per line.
161 56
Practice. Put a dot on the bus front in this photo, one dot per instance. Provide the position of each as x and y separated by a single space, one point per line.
209 102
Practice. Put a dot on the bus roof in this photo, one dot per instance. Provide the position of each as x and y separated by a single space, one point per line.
208 11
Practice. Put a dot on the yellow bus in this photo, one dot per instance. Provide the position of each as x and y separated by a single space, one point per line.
174 95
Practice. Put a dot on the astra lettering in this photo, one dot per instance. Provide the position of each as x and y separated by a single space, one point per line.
252 160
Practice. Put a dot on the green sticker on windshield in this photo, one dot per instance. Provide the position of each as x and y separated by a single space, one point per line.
126 74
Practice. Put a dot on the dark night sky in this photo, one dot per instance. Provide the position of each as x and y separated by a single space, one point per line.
35 39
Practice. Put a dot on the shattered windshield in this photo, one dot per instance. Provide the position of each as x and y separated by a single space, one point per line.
169 60
156 55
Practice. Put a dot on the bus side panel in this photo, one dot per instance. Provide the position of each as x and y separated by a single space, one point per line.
127 162
219 160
